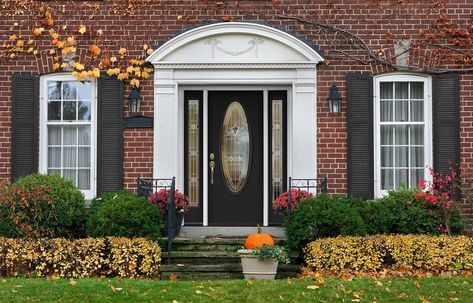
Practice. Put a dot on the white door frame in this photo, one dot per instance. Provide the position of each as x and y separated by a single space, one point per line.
205 186
213 55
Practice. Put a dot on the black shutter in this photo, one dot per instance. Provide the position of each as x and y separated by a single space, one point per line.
360 135
446 121
25 125
109 135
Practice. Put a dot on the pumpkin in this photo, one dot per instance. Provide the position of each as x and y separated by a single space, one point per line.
257 240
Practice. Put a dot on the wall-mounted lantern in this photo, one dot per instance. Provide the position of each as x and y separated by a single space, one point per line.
134 100
334 100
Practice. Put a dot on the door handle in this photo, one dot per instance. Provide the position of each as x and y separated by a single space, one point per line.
212 167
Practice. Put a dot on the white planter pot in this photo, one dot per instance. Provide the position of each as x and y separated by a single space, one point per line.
257 269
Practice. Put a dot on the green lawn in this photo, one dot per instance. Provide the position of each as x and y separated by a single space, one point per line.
433 289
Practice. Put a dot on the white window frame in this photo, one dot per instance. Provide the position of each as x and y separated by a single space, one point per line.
402 77
43 128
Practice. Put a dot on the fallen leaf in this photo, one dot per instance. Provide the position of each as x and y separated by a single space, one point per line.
378 283
313 287
281 298
72 282
198 292
172 277
115 289
402 295
423 300
175 301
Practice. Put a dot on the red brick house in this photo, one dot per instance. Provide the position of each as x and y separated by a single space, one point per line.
237 101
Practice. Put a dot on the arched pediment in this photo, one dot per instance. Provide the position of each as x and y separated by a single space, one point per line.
235 42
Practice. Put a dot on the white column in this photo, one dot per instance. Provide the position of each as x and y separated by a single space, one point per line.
304 125
166 126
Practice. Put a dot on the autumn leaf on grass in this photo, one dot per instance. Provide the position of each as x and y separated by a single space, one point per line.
82 29
172 277
72 282
423 300
115 289
313 287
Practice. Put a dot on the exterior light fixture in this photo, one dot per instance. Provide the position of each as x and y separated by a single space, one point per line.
134 100
334 100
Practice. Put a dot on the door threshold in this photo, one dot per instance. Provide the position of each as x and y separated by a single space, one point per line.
228 231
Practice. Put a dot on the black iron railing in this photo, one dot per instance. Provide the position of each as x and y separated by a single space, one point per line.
312 186
145 187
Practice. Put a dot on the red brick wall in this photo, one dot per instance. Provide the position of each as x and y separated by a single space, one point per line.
148 21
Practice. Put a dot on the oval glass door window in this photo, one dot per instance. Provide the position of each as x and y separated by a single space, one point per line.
235 147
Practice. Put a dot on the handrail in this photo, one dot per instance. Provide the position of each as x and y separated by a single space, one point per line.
313 186
147 186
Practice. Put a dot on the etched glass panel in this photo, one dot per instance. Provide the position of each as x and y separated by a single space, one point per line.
193 155
277 148
235 147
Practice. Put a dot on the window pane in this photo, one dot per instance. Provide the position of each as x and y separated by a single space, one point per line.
84 157
417 156
84 135
386 111
386 135
54 90
277 148
54 110
417 90
387 156
386 90
54 157
69 113
69 91
70 135
69 174
401 90
69 157
84 89
402 111
83 181
83 110
54 135
417 134
416 176
387 179
401 135
400 178
193 156
401 157
417 111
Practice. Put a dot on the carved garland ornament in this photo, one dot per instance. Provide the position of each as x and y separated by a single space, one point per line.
253 44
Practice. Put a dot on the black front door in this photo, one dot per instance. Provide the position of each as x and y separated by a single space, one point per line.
235 159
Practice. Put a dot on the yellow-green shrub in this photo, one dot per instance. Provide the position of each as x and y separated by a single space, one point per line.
396 252
90 257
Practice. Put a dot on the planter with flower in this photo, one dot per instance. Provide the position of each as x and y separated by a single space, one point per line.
260 258
181 206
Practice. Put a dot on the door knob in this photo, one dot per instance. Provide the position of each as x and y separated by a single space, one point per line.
212 156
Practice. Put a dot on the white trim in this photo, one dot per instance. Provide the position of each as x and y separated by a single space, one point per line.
428 143
43 133
234 28
268 70
265 158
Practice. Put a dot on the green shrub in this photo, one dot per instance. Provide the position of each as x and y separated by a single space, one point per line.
323 216
400 213
68 213
123 214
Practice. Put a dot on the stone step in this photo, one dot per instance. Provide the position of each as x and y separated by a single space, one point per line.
218 271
